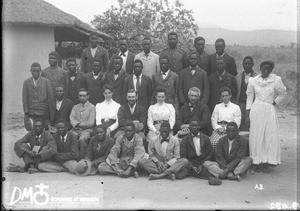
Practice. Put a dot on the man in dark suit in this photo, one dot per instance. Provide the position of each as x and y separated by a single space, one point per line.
168 80
93 52
37 91
193 76
67 151
178 57
242 82
35 147
230 65
218 80
196 148
231 155
125 54
203 57
116 79
140 83
193 109
58 108
93 82
74 81
135 112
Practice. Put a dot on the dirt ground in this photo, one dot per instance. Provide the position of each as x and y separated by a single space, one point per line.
277 190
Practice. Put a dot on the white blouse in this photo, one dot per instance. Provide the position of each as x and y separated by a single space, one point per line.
108 110
158 112
231 113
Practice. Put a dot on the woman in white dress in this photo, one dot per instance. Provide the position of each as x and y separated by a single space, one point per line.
107 112
160 112
264 136
223 113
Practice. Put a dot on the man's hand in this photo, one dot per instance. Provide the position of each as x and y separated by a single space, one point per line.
195 170
108 131
36 154
30 153
82 125
220 130
184 126
127 172
157 132
223 174
165 166
160 166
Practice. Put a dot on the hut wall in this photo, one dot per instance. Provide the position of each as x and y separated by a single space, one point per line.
22 45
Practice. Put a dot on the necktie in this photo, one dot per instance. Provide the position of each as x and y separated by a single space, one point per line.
123 54
192 107
62 139
138 83
37 141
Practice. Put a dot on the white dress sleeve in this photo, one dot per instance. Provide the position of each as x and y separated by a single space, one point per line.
116 124
98 114
250 93
214 118
150 120
280 89
237 116
172 116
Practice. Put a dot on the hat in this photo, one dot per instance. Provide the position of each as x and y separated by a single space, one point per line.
269 62
28 123
83 168
214 181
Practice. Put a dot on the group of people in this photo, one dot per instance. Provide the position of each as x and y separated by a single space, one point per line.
171 115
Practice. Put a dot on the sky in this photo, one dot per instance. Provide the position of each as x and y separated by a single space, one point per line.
229 14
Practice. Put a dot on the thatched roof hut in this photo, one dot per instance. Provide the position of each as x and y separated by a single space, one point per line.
38 12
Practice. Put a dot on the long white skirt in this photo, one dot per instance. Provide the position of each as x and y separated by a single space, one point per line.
264 141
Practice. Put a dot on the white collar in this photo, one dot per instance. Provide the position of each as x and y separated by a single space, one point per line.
167 73
134 76
226 105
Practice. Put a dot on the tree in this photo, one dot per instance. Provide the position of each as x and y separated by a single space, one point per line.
152 18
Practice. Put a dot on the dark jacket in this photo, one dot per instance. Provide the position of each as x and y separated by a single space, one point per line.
35 99
124 114
199 80
87 59
129 62
67 150
117 84
187 150
73 94
230 65
94 86
237 152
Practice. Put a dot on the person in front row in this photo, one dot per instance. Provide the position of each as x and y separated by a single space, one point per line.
159 112
195 108
82 119
164 158
133 111
231 160
125 154
223 113
67 151
107 111
35 147
96 153
196 148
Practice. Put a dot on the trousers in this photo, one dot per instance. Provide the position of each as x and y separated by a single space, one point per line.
54 167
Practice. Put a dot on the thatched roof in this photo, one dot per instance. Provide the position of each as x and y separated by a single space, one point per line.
38 12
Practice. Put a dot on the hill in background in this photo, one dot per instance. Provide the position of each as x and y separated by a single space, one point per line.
267 37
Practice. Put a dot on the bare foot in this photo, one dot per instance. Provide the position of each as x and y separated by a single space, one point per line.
32 170
156 176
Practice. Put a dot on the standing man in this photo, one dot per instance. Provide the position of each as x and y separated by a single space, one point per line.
93 82
231 160
178 57
74 81
125 54
218 80
150 60
193 76
164 158
116 79
58 108
54 73
67 151
229 61
195 108
242 82
125 154
82 119
92 53
203 57
36 93
35 147
140 83
168 80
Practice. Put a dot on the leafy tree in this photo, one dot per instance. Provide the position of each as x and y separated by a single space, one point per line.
152 18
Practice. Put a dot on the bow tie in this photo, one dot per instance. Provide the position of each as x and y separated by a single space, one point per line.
122 54
73 75
196 136
164 73
164 139
96 74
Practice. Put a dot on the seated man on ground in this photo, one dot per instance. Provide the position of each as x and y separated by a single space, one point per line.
196 148
67 151
231 160
195 108
97 151
164 159
82 119
35 147
125 154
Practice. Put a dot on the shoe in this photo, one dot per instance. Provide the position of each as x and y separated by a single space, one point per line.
14 168
32 170
266 169
257 168
136 174
214 181
173 177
